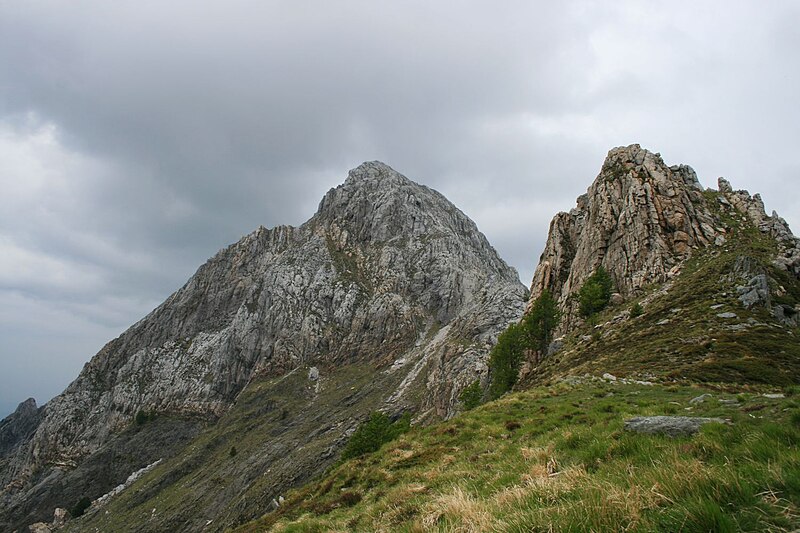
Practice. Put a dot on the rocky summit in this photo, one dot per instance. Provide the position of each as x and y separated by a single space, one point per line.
641 220
388 298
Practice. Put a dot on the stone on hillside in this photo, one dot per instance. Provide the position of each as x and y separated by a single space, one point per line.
555 346
617 299
701 398
726 315
313 373
609 377
723 185
672 426
60 517
774 395
39 527
755 293
786 314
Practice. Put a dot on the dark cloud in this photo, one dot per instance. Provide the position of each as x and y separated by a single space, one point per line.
138 138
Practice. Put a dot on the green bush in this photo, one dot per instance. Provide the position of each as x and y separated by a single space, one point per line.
540 322
595 293
374 433
636 310
471 396
80 507
535 332
233 451
505 360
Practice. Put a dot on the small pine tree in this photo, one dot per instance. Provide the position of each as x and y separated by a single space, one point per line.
636 310
374 433
505 360
471 396
80 507
595 293
541 321
233 451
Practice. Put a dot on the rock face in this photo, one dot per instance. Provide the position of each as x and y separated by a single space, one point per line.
640 220
387 273
19 425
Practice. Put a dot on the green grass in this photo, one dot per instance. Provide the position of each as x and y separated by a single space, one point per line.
558 459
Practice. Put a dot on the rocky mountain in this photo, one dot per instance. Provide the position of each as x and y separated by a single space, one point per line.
387 298
672 407
641 220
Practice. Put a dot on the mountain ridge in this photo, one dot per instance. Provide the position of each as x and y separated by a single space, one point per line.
387 274
389 299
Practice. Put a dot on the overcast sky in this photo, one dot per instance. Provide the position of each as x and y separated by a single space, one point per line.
138 138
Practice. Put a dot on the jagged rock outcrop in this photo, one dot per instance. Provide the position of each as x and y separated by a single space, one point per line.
387 273
640 220
19 425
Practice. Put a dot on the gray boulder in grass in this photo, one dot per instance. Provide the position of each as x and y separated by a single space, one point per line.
672 426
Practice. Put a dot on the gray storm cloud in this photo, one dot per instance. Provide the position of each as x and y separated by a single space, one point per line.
138 138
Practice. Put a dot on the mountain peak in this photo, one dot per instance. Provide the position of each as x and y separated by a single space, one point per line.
371 170
388 290
641 219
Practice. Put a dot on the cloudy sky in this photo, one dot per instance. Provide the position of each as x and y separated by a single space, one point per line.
138 138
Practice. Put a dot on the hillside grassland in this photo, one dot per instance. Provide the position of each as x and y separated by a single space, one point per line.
558 459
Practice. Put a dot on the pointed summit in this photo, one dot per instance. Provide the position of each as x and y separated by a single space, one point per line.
388 290
375 170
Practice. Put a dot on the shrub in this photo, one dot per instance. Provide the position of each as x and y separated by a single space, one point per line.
595 293
374 433
535 332
471 396
541 320
505 360
142 417
233 451
80 507
636 310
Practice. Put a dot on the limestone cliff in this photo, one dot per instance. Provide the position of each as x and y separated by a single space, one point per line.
387 274
640 220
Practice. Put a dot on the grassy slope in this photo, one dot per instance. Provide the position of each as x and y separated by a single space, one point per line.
280 429
557 459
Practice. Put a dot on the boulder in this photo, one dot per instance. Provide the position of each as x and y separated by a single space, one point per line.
700 399
785 314
60 517
672 426
755 293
